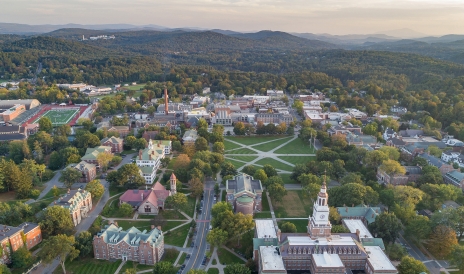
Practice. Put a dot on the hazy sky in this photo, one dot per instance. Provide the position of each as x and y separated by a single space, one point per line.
431 17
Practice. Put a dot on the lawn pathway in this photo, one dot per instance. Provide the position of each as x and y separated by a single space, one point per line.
261 154
119 268
218 264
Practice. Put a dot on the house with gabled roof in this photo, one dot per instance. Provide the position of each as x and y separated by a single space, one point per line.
437 162
244 193
78 202
362 212
454 178
115 143
114 243
148 201
149 160
91 154
89 171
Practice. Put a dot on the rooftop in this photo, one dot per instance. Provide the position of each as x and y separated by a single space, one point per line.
327 260
265 229
271 259
377 258
357 224
334 240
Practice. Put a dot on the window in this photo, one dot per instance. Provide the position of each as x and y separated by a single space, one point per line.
147 208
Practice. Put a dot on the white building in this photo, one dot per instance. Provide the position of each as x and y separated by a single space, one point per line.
149 160
275 94
258 98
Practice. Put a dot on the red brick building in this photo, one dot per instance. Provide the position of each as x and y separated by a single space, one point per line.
89 171
12 238
113 142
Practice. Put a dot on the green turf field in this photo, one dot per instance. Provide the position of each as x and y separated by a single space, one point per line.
297 159
251 140
271 145
275 163
59 117
296 146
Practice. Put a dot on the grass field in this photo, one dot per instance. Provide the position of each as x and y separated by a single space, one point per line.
265 203
294 204
271 145
229 145
140 225
300 225
236 164
242 150
213 271
177 237
89 266
190 210
297 159
244 158
296 146
276 164
59 117
225 257
251 140
245 247
131 265
286 178
262 215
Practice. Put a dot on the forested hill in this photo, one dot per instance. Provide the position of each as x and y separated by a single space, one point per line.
47 46
149 41
450 51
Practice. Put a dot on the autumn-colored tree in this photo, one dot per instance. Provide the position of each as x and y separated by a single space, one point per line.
441 241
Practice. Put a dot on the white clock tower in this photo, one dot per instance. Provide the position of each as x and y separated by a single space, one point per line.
319 224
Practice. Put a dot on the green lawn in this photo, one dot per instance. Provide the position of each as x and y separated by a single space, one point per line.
225 257
294 204
116 190
244 158
271 145
300 225
177 237
89 266
245 247
140 225
131 264
296 146
236 164
286 178
190 210
127 152
242 150
223 195
265 203
182 258
111 209
170 255
171 164
172 215
252 140
276 164
297 159
229 145
213 271
50 193
262 215
135 87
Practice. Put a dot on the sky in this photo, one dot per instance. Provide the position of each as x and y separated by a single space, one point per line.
431 17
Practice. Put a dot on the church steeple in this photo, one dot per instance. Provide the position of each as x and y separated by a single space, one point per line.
319 224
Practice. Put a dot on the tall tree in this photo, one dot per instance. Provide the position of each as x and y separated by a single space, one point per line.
441 241
196 185
419 228
69 176
103 159
217 237
277 191
95 188
287 227
236 268
56 220
61 246
386 226
84 243
457 257
22 257
228 168
410 265
219 147
177 201
201 144
451 217
45 124
164 267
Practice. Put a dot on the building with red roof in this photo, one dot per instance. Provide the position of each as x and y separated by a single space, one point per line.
148 201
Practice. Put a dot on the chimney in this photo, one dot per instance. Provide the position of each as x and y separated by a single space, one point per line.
149 156
152 227
159 227
279 233
153 152
166 107
115 223
140 154
158 144
69 190
358 232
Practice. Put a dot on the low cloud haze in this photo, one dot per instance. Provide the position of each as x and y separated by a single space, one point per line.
431 17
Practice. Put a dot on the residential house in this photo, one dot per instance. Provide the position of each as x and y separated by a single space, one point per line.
150 135
411 151
398 110
89 171
411 133
362 212
12 238
395 142
190 136
454 178
389 133
244 193
78 202
412 174
341 129
275 94
91 154
114 243
149 160
148 201
115 143
434 161
122 130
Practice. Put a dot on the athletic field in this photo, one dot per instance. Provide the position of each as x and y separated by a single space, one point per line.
59 117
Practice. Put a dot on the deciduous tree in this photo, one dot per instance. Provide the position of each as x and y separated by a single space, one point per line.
56 220
177 201
45 124
441 241
457 257
217 237
197 187
236 268
277 191
410 265
61 246
288 227
84 243
22 257
103 159
386 226
69 176
164 267
95 188
126 209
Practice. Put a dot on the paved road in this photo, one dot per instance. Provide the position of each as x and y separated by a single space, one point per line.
203 222
86 222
